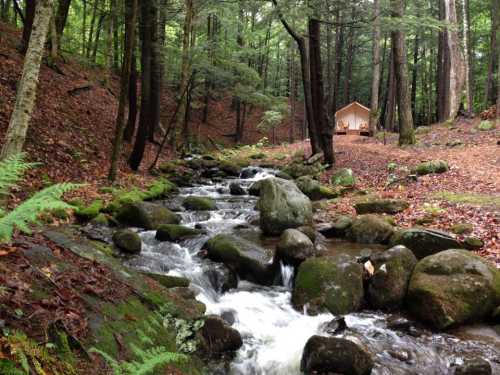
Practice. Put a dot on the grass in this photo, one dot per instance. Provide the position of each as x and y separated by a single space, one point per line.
469 198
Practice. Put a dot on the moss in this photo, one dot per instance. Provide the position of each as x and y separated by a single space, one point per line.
60 213
174 232
258 156
169 281
486 125
199 203
433 166
231 168
107 190
100 219
462 228
343 177
469 198
160 189
91 211
104 248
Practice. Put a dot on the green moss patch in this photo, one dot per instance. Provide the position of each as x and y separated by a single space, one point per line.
469 198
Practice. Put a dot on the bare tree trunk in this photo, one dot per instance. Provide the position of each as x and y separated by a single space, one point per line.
469 107
28 24
130 26
84 26
390 101
26 94
92 26
156 71
495 20
61 18
132 102
498 94
339 47
97 37
374 115
406 132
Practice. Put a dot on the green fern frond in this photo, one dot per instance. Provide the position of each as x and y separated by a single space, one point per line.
27 212
12 170
117 369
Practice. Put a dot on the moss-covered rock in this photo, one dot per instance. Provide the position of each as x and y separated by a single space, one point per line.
230 168
218 338
160 189
462 228
389 284
474 366
343 177
194 203
486 126
453 287
294 247
101 219
236 189
423 242
381 206
433 166
284 176
169 281
175 232
298 169
370 229
249 261
282 206
473 243
334 355
146 215
254 189
337 228
329 283
91 211
127 241
314 190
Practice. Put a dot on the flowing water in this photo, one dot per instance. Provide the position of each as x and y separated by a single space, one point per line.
273 333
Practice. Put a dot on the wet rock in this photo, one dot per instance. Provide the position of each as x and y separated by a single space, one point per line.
343 177
335 326
229 317
309 231
294 247
254 189
314 190
169 281
175 232
453 287
284 176
282 206
398 323
127 241
329 283
474 366
218 338
212 173
146 215
221 278
194 203
423 242
338 228
332 355
433 166
248 260
370 229
401 355
381 206
388 286
236 189
230 168
249 172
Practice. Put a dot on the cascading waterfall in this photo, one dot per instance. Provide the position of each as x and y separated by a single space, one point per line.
273 332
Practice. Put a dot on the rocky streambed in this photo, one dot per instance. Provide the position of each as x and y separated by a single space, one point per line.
329 299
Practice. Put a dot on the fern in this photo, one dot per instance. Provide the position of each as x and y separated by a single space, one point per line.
11 171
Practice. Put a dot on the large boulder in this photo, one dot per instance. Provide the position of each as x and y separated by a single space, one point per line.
298 169
337 228
127 241
474 366
432 166
294 247
344 177
329 283
332 355
424 242
381 206
254 189
230 168
388 286
314 190
218 338
453 287
236 189
194 203
249 261
282 206
175 232
146 215
370 229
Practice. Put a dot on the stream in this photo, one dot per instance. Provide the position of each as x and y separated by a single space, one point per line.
274 334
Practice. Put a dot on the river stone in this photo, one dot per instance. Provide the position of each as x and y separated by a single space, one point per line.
343 177
388 286
221 277
175 232
329 283
230 168
381 206
333 355
248 260
294 247
314 190
424 242
169 281
299 169
309 231
236 189
284 176
453 287
338 228
282 206
127 241
254 189
146 215
194 203
474 366
370 229
249 172
433 166
218 337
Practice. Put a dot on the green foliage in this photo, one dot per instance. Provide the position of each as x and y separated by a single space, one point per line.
186 331
11 171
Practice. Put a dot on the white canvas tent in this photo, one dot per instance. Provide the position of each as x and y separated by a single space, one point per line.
353 119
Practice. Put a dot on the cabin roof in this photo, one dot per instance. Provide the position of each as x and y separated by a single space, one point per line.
349 106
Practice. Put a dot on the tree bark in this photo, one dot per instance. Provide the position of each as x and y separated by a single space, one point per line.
132 102
28 24
156 71
495 20
339 47
374 115
469 107
390 102
61 18
128 55
406 132
27 89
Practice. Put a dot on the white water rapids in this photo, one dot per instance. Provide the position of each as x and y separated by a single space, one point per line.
274 334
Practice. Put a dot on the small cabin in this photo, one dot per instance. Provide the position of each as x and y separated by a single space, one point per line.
353 119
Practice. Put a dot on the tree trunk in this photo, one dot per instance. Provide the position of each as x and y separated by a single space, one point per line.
132 102
339 47
97 37
406 132
414 74
28 84
84 27
374 115
131 19
469 107
61 18
28 24
349 62
145 113
495 20
390 102
92 26
155 71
